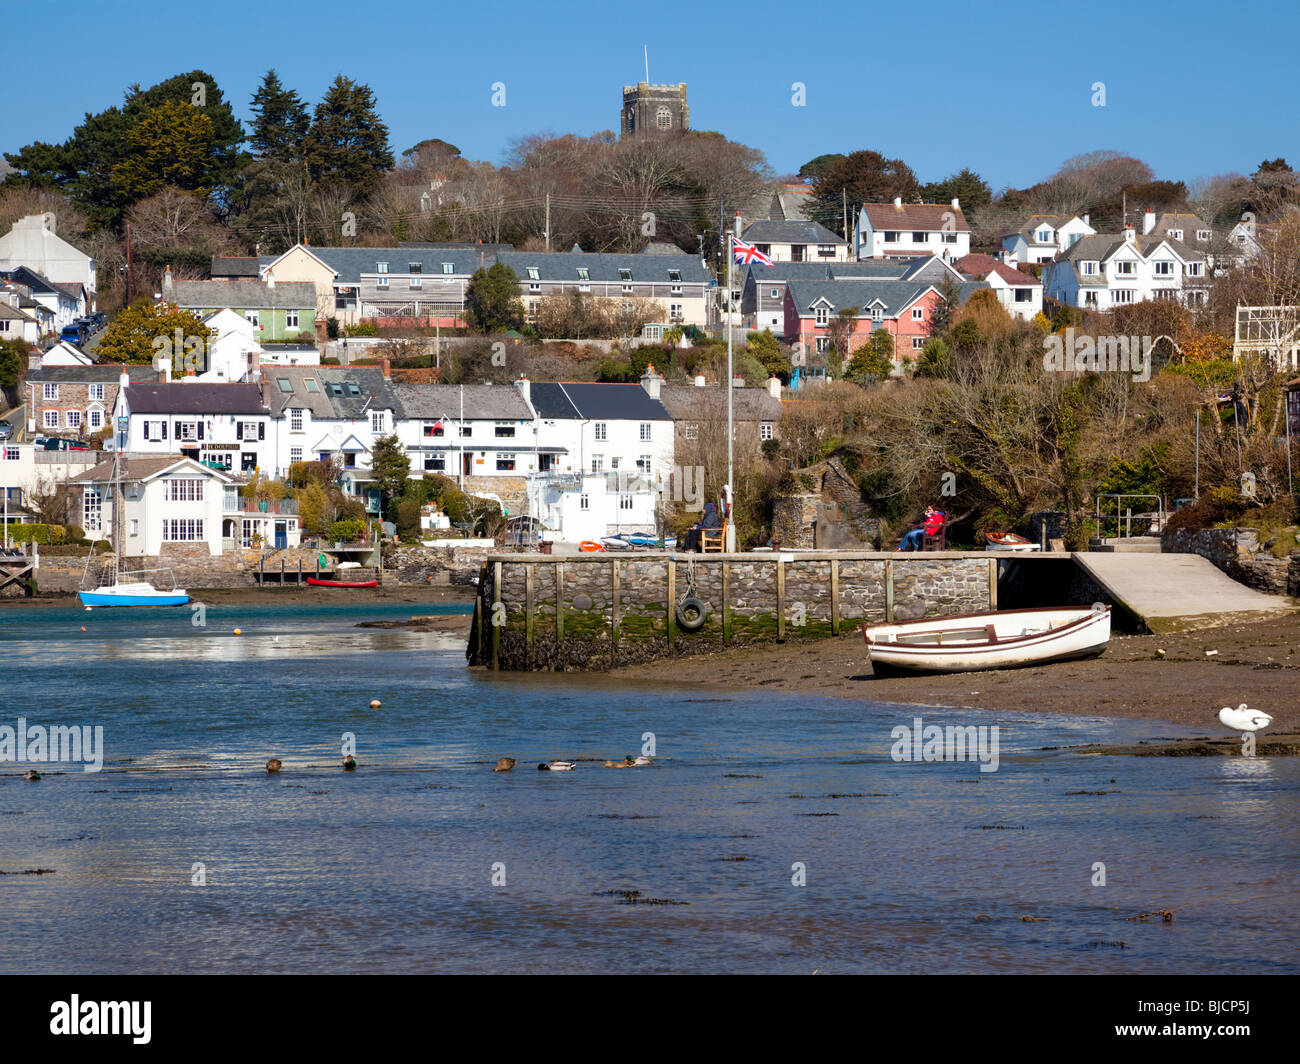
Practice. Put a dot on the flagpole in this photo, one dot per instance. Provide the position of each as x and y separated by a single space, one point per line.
730 544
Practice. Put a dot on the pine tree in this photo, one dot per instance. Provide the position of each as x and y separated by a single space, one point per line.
280 121
348 142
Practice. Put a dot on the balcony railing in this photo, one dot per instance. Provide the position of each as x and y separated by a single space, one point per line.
264 506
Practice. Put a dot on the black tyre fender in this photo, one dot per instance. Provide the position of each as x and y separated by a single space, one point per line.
692 613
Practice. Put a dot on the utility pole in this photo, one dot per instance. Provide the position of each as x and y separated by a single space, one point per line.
128 264
730 544
548 219
844 193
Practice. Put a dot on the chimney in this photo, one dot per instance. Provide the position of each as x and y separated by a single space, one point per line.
167 283
33 362
1148 221
525 387
898 202
774 386
124 381
700 381
163 365
270 280
1086 221
956 204
650 381
1130 237
737 381
386 364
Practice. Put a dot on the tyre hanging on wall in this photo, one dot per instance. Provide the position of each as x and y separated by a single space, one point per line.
692 613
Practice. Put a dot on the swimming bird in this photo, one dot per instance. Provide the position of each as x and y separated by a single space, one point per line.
273 765
1243 718
349 763
642 760
504 764
32 775
557 766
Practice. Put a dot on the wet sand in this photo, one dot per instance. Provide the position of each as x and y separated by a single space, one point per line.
1257 663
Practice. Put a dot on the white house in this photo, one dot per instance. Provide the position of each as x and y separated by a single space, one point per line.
573 507
221 425
34 242
16 323
56 303
472 431
1020 293
796 241
1043 237
904 230
1108 270
65 354
166 500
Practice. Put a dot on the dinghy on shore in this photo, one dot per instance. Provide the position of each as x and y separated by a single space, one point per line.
1008 541
1005 640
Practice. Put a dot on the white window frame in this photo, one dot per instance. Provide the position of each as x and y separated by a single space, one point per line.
95 391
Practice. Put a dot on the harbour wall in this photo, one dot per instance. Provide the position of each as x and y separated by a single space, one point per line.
594 612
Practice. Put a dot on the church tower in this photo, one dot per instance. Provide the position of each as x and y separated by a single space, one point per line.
654 108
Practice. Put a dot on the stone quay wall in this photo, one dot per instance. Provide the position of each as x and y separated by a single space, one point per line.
594 612
1238 552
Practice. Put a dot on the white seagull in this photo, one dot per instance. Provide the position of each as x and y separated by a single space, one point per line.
1243 718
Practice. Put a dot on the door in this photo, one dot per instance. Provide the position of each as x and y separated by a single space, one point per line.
467 463
281 535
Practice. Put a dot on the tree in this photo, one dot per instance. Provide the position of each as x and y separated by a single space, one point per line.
390 467
13 359
766 349
813 169
865 177
280 121
492 299
874 360
348 142
143 330
965 186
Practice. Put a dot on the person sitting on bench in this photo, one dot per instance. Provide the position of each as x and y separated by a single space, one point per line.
708 522
933 522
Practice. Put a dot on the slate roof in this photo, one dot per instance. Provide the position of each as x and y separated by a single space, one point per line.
603 268
895 296
1100 247
235 266
1187 222
138 469
790 232
605 402
38 282
496 402
241 295
344 391
13 313
928 217
194 397
104 373
686 402
349 264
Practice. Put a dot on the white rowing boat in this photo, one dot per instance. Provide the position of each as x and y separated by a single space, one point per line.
1004 640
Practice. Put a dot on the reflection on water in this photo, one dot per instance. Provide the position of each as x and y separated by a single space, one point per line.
686 865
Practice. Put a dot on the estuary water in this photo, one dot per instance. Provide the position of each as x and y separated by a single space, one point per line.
772 833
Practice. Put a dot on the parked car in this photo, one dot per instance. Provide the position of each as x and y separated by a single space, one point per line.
6 430
58 443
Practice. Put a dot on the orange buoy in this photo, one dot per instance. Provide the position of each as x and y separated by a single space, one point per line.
375 703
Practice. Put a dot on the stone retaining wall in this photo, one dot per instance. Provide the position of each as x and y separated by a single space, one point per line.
592 613
1237 551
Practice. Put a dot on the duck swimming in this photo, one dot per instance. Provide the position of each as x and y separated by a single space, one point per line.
504 764
273 765
1243 718
32 775
349 764
557 766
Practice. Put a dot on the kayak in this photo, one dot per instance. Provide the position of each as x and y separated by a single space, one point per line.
342 583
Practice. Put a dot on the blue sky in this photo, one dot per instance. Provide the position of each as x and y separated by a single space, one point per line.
1194 88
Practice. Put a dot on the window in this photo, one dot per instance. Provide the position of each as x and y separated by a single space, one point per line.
891 237
613 462
90 509
674 275
625 501
417 282
675 312
295 454
823 344
435 463
415 267
643 464
776 293
182 530
822 316
353 389
51 419
645 431
50 391
1044 236
434 428
286 386
97 392
1088 268
948 237
602 431
584 274
597 463
291 319
183 489
1126 269
534 274
919 238
157 430
4 324
95 418
877 313
691 431
1024 295
341 302
664 118
1123 295
381 267
584 503
505 462
1176 234
624 274
534 305
295 420
1194 269
11 454
918 314
253 318
1163 269
1202 235
825 251
448 267
534 286
312 386
765 430
381 282
74 419
376 421
627 291
467 430
504 430
918 342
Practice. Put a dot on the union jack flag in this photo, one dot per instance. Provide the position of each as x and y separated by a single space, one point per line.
747 253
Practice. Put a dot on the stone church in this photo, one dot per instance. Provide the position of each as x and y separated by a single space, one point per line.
647 108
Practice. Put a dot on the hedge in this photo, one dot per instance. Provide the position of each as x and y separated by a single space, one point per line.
45 535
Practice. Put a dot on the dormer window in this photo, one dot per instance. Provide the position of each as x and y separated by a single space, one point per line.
416 267
534 274
1088 267
674 275
584 274
448 267
381 267
877 314
1176 234
624 275
822 315
1044 236
1202 235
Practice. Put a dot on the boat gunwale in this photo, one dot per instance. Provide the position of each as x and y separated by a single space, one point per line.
1011 641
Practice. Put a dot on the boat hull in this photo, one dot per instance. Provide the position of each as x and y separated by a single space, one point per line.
342 583
1009 640
108 597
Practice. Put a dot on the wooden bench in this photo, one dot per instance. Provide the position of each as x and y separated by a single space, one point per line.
939 541
714 539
